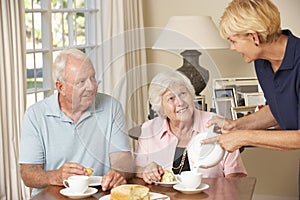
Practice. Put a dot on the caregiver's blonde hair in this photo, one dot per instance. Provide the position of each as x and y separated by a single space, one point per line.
242 17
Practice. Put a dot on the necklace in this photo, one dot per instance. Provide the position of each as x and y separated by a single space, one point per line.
180 166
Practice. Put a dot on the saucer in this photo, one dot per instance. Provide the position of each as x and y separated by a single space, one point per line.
165 184
90 191
95 180
153 195
181 188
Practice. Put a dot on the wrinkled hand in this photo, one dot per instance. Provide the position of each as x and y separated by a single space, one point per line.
233 140
69 169
230 141
112 179
222 125
152 172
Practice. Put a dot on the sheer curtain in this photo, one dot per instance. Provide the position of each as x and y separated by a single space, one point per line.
12 97
123 72
123 75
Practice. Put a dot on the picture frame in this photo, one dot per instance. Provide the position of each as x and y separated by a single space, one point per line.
241 84
228 92
242 111
254 99
199 102
224 105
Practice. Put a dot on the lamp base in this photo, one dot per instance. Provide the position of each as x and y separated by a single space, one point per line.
198 75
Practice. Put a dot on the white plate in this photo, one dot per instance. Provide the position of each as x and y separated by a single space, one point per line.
90 191
151 194
95 180
165 184
181 188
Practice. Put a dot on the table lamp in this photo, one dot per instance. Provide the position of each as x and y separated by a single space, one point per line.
191 34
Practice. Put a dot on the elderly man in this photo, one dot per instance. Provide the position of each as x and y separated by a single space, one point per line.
73 129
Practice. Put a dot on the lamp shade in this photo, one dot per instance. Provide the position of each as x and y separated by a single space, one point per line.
190 33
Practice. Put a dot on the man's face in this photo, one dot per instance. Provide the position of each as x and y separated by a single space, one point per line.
80 85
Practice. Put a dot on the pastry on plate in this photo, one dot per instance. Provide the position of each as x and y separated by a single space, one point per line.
130 192
168 176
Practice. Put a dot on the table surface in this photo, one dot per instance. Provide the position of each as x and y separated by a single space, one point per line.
219 188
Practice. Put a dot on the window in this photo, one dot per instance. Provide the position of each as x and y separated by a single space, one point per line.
51 26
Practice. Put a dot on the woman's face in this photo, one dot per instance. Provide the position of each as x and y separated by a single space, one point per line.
246 46
177 103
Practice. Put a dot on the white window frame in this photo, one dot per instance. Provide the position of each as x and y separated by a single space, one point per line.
92 41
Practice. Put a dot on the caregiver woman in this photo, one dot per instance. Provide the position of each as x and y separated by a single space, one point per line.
253 29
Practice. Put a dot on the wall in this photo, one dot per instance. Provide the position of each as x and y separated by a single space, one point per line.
227 63
271 182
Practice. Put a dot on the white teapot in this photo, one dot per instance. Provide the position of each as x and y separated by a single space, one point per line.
205 155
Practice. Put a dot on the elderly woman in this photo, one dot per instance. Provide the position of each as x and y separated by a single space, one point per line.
163 141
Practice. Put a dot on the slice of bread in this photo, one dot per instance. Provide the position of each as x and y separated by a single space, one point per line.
130 192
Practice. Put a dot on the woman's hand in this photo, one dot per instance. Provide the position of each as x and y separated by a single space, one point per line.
228 140
152 172
222 125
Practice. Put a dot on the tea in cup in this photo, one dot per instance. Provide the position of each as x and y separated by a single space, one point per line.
190 179
77 184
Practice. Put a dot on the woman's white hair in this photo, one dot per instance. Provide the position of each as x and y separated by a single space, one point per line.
161 82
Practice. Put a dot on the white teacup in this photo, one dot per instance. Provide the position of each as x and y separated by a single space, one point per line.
77 184
190 179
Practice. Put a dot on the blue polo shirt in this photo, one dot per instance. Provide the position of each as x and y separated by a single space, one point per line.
51 138
281 89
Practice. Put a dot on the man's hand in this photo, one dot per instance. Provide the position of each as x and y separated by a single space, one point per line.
35 176
69 169
112 179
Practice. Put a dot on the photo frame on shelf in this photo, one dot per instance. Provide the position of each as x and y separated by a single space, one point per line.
199 102
241 85
254 99
242 111
226 93
224 105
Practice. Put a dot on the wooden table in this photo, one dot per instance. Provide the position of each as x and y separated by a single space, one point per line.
219 188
